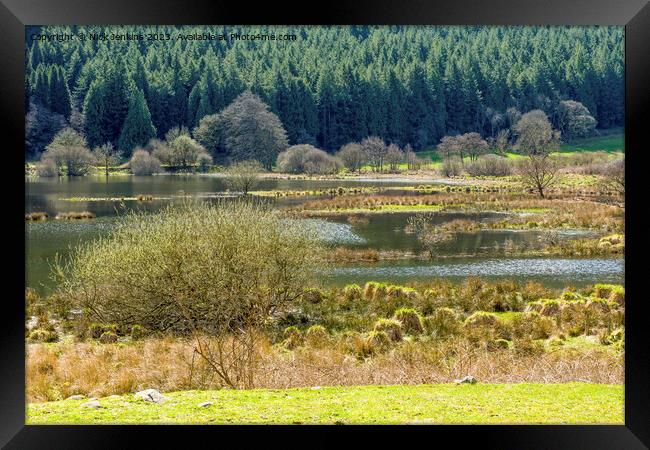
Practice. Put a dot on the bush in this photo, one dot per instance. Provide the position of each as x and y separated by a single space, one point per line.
451 167
161 151
393 328
489 165
352 156
108 337
550 308
204 161
410 319
173 270
442 323
40 335
243 176
68 150
142 163
305 158
313 295
317 336
47 168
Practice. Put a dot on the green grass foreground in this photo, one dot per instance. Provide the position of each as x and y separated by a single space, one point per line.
568 403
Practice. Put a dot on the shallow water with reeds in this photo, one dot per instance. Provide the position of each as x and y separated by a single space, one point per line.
478 253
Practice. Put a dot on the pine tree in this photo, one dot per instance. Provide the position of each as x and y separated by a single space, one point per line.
59 95
137 129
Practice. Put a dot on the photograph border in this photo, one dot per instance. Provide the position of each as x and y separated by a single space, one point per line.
633 14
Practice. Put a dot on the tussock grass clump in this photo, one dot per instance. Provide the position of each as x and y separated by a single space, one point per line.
358 220
344 254
481 319
37 216
442 323
369 290
392 327
612 292
293 337
40 335
550 308
377 342
317 336
352 292
353 343
410 319
75 215
108 337
616 337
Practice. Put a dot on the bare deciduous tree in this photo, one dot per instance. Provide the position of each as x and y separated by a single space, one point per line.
536 139
539 172
375 150
394 156
106 155
243 176
353 156
614 173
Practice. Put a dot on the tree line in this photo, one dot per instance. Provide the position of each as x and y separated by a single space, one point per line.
333 85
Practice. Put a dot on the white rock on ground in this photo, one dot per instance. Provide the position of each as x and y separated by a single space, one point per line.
151 395
205 404
76 397
94 405
466 380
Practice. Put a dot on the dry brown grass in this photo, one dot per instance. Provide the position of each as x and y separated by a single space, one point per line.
546 213
57 371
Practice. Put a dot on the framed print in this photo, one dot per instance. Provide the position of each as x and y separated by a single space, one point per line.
381 216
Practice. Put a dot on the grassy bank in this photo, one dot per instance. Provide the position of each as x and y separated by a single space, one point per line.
575 403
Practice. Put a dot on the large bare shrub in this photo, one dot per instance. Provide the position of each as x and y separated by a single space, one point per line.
489 165
197 270
68 150
352 156
142 163
305 158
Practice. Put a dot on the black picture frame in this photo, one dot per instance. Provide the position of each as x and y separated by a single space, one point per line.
633 14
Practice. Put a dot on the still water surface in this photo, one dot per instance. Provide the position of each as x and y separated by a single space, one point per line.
44 240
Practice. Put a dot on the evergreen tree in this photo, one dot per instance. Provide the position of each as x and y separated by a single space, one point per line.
137 129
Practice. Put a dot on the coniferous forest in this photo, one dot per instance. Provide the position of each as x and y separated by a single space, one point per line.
329 86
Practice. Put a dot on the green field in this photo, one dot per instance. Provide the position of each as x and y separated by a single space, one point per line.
610 141
568 403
